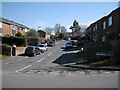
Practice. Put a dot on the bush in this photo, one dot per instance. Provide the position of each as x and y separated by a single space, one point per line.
18 34
90 49
10 40
6 50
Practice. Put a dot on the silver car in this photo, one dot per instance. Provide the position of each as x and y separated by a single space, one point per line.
43 47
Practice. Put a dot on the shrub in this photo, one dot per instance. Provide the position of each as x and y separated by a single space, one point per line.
6 50
90 49
10 40
18 34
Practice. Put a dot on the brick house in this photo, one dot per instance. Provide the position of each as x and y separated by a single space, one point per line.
108 25
8 27
42 33
68 34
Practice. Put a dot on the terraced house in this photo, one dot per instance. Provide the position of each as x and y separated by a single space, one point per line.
8 27
108 26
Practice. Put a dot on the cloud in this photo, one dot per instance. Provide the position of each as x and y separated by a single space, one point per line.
41 23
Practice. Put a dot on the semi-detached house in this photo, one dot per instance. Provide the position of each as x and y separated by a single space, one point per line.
108 25
8 27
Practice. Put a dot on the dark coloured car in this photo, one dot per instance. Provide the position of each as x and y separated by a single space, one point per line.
51 43
32 51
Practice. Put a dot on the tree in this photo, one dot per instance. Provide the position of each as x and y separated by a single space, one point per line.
58 28
49 30
18 34
76 26
33 34
61 35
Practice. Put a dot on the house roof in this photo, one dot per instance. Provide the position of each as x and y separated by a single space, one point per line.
3 20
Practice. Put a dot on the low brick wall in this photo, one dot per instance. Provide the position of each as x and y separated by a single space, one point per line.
20 50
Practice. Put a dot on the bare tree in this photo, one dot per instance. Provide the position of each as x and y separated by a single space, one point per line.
58 28
49 30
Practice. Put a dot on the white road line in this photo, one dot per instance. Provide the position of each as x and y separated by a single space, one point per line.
23 68
49 54
40 60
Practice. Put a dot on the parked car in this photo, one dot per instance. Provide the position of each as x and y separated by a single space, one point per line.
43 47
73 43
68 45
51 43
32 51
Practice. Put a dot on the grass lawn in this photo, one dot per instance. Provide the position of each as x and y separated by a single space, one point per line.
3 57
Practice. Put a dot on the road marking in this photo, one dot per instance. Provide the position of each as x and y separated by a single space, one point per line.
49 54
23 68
40 60
16 61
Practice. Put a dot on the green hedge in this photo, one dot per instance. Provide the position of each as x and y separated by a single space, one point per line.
6 50
10 40
90 49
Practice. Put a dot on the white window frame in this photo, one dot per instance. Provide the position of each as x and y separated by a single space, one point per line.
104 25
110 21
96 26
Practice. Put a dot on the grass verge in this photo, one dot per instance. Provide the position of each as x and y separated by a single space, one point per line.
3 57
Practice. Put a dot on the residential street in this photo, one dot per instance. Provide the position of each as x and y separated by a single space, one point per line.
43 71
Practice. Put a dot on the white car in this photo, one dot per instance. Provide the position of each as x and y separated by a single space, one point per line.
43 47
68 45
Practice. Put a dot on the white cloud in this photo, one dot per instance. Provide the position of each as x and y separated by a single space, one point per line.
67 27
41 23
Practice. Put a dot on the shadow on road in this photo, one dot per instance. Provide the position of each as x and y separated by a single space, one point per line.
22 54
66 58
69 49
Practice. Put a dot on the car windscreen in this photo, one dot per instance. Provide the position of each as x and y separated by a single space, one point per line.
41 45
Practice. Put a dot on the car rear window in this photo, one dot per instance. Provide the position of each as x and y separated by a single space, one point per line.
41 45
50 42
68 43
29 48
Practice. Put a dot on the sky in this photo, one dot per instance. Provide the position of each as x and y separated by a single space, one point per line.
47 14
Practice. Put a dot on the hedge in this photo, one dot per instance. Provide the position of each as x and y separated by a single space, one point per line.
10 40
90 49
6 50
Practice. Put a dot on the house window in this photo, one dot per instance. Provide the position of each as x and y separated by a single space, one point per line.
103 38
13 27
25 29
90 29
0 24
104 25
96 26
70 34
18 28
110 21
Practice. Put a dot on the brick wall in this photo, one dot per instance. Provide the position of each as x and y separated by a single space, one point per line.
20 50
6 29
